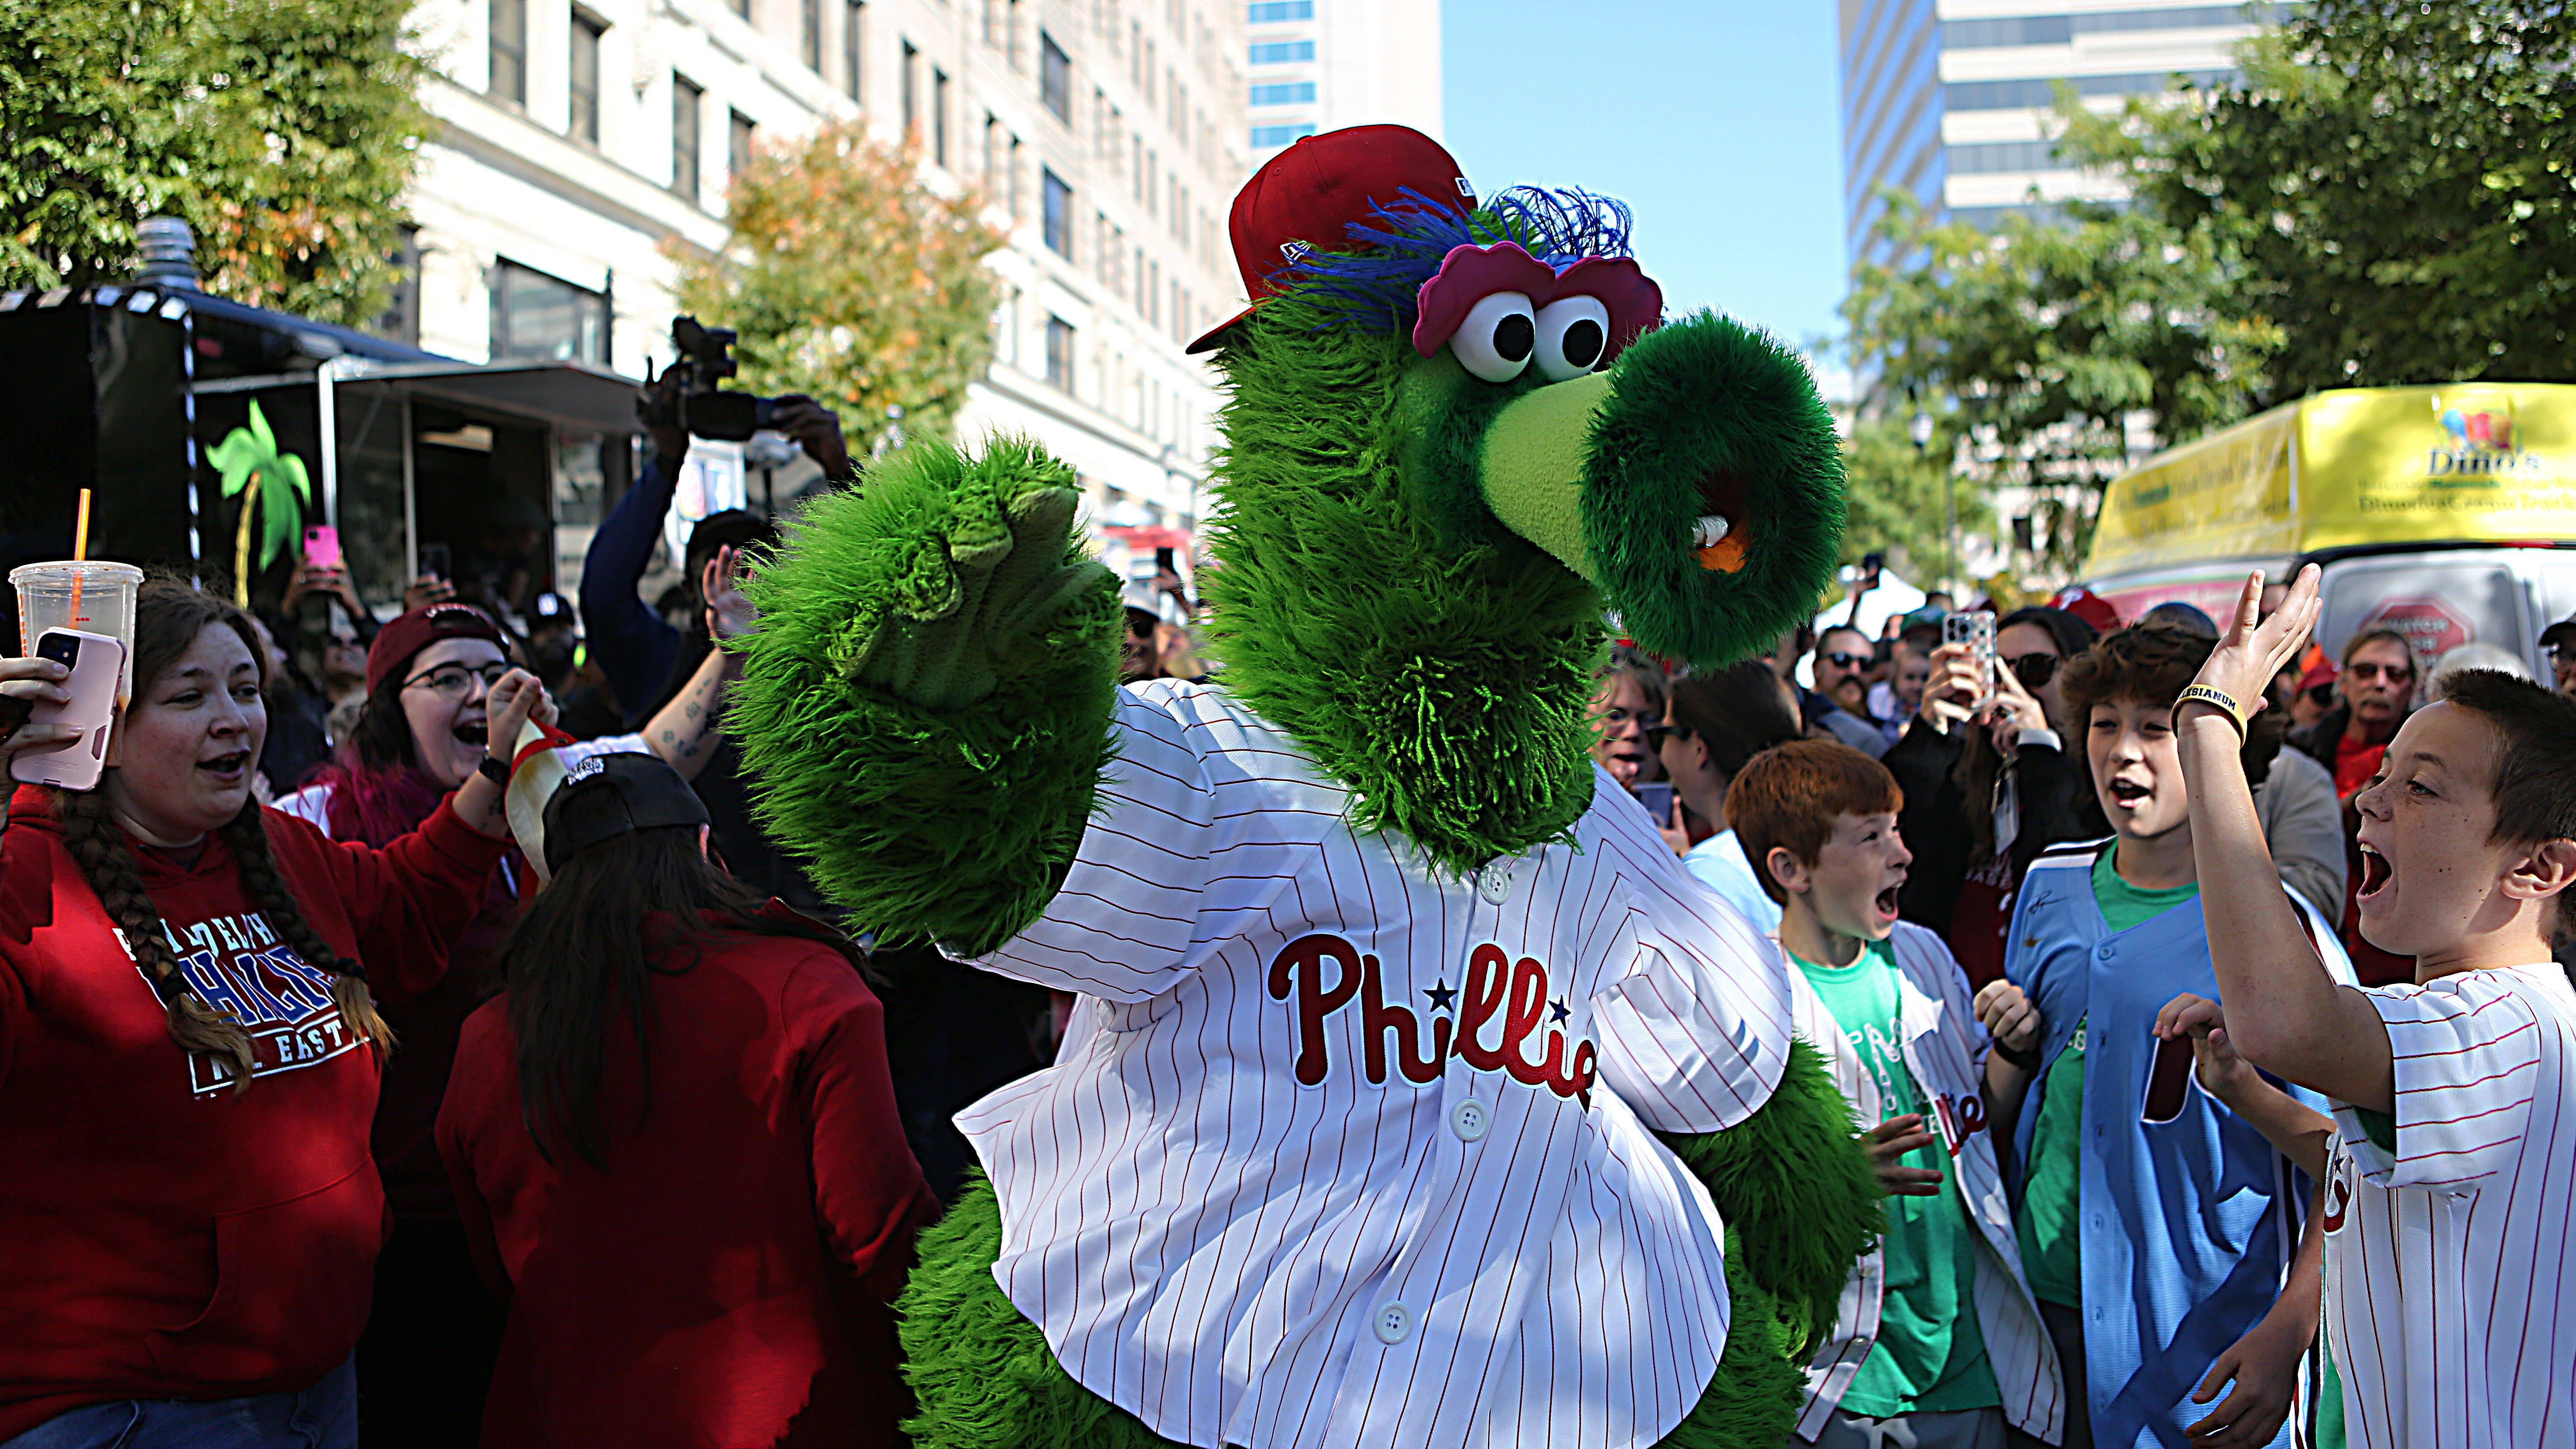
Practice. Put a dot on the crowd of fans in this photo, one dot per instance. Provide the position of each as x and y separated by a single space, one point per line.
1993 823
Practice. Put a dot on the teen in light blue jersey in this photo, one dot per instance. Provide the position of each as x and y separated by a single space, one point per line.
2168 1256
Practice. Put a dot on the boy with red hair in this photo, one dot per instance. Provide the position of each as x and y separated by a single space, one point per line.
1937 1341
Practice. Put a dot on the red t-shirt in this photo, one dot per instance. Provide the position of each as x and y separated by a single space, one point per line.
160 1236
723 1280
2356 761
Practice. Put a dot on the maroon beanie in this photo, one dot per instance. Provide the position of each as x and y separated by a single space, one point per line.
398 641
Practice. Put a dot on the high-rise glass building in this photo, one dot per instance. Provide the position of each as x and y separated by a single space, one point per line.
1951 99
1320 65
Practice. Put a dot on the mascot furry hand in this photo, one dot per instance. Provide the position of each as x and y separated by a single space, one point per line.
1415 1096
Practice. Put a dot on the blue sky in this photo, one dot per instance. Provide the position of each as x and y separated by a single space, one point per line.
1718 121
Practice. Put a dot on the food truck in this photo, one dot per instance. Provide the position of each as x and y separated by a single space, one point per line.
2447 514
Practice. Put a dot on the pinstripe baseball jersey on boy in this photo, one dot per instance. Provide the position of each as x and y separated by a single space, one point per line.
2449 1293
1339 1151
1944 1046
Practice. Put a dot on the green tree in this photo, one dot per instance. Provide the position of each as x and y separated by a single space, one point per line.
849 280
2393 185
283 131
1894 496
2052 351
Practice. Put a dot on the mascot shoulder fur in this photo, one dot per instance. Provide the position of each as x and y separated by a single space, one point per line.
1459 434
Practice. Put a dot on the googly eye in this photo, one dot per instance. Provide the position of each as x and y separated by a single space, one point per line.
1495 340
1573 332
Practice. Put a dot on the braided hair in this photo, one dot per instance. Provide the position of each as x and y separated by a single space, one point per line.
168 617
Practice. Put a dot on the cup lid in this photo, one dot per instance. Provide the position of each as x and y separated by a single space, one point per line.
87 568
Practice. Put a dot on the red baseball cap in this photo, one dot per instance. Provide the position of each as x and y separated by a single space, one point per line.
398 641
1302 198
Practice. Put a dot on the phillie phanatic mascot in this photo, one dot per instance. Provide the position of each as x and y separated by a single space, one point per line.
1415 1096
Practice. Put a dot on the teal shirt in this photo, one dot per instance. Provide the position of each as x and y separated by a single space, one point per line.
1930 1355
2051 1250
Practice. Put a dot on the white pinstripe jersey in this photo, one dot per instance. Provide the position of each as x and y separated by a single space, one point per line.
1945 1050
1340 1152
2449 1292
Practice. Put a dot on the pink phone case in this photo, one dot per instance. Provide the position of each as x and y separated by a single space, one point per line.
78 765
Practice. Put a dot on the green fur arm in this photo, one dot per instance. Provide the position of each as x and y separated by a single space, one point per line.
927 700
1793 1182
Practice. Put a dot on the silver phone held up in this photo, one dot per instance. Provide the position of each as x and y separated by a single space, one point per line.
1976 629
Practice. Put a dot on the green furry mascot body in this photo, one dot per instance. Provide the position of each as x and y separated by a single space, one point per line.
1347 1143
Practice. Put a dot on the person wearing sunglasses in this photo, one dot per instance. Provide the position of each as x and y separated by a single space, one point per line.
2559 640
2374 693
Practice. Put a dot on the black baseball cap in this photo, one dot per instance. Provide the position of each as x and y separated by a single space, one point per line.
606 796
2560 634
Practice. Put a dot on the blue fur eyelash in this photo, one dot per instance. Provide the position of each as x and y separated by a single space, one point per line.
1375 289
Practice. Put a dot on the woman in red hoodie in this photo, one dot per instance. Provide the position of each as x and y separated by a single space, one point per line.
189 1050
676 1149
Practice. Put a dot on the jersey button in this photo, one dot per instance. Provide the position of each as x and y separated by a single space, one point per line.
1469 1119
1393 1324
1494 881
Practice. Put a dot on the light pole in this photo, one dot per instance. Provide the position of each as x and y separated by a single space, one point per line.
1920 429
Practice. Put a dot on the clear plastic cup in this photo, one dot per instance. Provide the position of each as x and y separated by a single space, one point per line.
106 594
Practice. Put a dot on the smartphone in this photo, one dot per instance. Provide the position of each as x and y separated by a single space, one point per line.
2168 1082
322 546
1976 629
435 562
95 662
1657 797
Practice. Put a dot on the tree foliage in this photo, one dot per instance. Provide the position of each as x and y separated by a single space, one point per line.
283 131
1893 493
851 281
2037 346
2393 185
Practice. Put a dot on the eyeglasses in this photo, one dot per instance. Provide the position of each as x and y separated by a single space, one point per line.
1840 660
455 681
2321 694
2365 671
2034 669
1656 734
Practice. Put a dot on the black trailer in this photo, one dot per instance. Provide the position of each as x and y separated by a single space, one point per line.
154 396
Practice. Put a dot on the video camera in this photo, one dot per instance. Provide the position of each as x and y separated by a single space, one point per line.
694 402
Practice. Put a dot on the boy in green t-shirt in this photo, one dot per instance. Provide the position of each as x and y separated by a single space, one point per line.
1939 1342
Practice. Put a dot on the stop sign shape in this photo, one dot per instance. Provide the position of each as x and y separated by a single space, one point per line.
2430 627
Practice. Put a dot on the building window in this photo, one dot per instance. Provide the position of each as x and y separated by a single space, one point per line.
535 315
2007 95
1283 52
1055 78
911 91
1280 12
585 78
1988 156
686 99
738 138
1018 210
854 47
1059 361
510 51
1285 93
939 115
741 8
1267 136
1058 199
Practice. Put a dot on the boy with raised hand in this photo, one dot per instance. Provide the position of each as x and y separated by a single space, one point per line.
1937 1342
2450 1203
2161 1233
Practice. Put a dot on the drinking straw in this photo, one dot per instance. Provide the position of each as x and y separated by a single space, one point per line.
80 552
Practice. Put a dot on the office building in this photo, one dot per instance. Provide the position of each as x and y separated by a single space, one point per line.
573 143
1952 100
1320 65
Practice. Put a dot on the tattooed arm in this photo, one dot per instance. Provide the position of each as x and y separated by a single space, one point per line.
683 733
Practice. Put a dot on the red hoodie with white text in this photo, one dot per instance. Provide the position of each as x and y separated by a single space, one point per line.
160 1235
